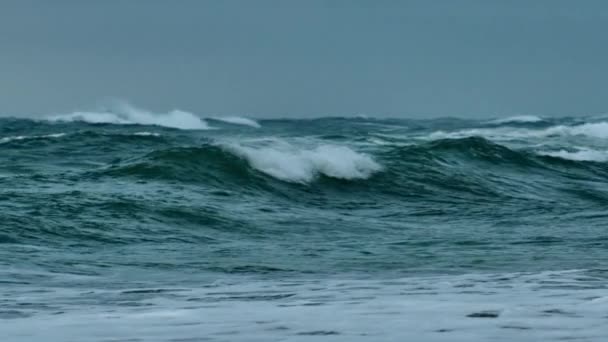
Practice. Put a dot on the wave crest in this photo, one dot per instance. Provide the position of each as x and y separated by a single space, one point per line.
125 114
298 165
30 137
237 120
517 119
591 130
582 154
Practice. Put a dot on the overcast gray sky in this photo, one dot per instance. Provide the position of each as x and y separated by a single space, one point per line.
306 58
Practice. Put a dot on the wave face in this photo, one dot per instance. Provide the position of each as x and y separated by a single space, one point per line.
147 214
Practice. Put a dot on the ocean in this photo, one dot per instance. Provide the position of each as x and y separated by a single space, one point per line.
133 226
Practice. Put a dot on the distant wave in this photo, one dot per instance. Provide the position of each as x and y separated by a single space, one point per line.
583 154
125 114
593 130
499 134
147 134
517 119
484 162
77 134
30 137
463 151
237 120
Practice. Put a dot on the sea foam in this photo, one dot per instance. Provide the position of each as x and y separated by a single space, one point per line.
124 114
582 154
237 120
594 130
302 165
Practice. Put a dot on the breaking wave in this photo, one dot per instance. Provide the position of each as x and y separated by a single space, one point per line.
237 120
466 169
581 154
289 163
332 155
592 130
224 161
126 114
517 119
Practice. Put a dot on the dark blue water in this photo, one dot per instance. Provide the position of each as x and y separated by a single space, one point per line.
144 227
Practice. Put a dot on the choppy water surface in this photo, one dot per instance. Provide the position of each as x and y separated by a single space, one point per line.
135 226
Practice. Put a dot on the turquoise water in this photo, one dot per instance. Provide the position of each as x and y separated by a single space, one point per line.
138 226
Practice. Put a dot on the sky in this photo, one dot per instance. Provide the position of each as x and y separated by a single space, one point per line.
285 58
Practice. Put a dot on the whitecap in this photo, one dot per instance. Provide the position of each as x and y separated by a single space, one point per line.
517 119
582 154
30 137
502 133
124 114
147 134
237 120
595 129
54 135
592 130
302 165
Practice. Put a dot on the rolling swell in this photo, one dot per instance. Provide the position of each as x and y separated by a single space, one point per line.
474 168
241 164
204 164
365 188
459 167
462 169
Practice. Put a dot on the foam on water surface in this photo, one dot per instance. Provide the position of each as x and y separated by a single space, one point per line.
542 306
